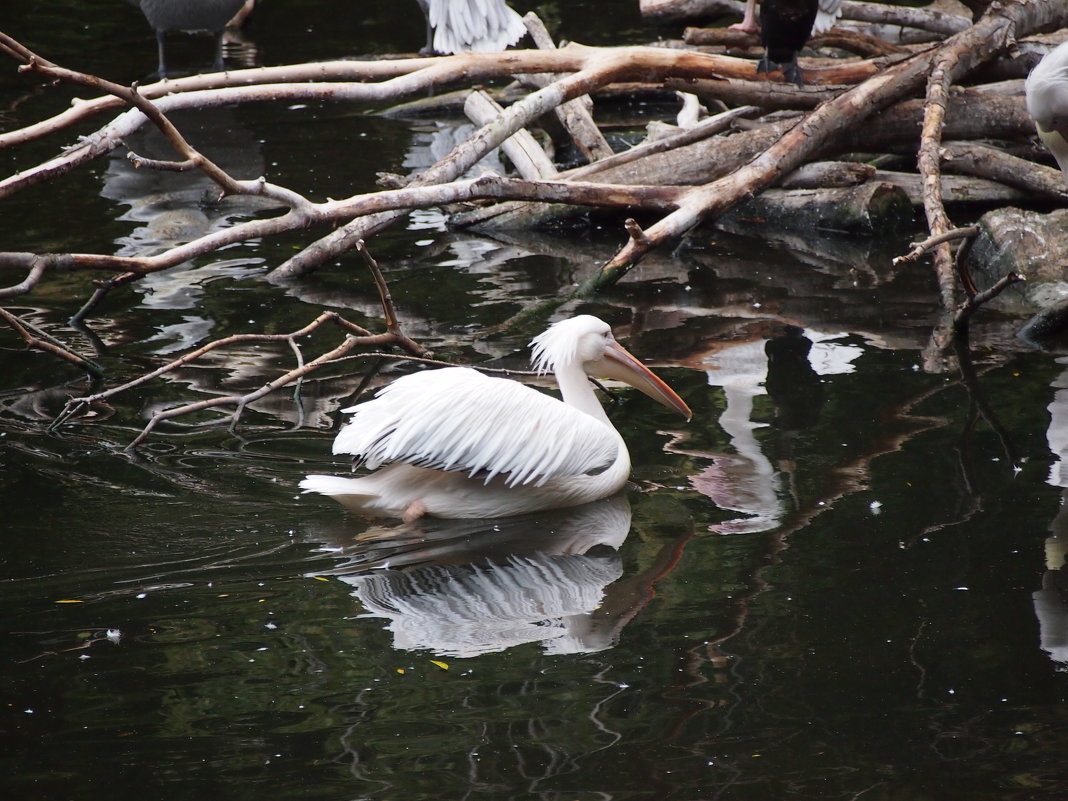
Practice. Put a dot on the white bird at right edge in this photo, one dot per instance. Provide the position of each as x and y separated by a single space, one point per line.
456 443
1047 102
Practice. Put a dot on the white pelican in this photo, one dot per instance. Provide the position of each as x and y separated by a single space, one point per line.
462 26
457 443
1047 102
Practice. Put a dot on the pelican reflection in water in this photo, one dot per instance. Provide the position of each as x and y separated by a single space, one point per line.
470 587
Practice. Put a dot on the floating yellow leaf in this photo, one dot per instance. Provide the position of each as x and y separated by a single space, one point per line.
401 671
441 665
320 578
69 601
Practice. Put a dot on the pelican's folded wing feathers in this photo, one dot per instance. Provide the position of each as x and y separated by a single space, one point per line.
474 25
459 419
827 14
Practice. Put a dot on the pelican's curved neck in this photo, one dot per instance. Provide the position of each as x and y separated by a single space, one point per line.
577 391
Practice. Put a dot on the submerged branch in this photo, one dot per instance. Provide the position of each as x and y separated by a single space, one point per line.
36 339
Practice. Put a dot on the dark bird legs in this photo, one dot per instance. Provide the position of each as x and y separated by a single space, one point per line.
785 26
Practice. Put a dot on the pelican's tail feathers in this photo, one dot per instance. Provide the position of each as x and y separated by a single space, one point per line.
350 492
473 25
827 15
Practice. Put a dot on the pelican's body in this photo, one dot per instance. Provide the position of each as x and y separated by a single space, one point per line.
456 443
461 26
188 15
1047 102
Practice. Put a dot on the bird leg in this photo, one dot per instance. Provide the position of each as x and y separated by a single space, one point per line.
428 48
791 71
748 23
414 511
218 65
161 70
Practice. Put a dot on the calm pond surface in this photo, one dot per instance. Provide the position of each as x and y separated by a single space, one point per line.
840 580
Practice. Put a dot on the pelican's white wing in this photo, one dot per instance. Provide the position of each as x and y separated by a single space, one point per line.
459 419
827 15
473 25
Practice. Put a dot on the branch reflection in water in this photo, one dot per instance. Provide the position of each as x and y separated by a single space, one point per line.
462 588
173 208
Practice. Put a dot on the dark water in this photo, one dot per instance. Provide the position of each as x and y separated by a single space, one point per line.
840 580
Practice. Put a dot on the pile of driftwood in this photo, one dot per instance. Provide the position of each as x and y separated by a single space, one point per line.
967 144
883 124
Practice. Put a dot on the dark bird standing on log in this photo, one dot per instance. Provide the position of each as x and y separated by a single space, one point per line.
188 15
785 26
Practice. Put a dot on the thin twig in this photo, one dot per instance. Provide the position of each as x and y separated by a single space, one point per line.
75 404
36 339
241 401
972 304
920 248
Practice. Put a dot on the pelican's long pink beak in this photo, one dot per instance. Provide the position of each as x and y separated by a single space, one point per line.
619 364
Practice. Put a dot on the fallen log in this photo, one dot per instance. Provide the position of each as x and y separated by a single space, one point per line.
690 164
574 115
971 114
765 94
957 190
822 174
1031 243
872 207
526 155
862 44
982 161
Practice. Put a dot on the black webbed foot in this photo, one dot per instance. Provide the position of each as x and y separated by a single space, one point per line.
792 73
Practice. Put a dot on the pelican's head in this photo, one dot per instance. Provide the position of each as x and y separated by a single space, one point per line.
1046 90
585 342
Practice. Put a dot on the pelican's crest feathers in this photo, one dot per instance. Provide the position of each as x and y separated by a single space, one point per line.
559 344
1047 89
